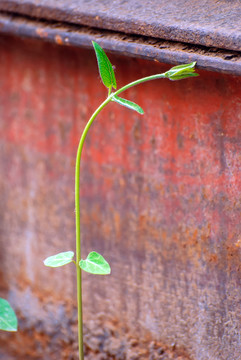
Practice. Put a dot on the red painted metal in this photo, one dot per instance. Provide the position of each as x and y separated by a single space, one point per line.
160 198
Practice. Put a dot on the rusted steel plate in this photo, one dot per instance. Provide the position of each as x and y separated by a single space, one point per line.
160 198
208 23
137 46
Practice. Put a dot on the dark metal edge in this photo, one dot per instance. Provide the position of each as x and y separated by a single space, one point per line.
211 59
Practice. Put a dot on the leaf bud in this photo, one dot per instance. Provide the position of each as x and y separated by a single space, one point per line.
181 71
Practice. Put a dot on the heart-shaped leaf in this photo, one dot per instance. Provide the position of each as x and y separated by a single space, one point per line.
60 259
129 104
95 264
8 319
105 68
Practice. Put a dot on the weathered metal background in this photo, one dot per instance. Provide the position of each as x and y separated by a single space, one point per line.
160 197
208 23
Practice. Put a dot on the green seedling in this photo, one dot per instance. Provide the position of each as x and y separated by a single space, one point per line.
95 263
8 319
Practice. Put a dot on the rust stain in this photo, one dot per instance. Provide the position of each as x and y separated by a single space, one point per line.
58 40
97 343
117 222
238 243
41 33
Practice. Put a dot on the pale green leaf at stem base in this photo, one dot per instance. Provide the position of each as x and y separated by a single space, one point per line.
60 259
8 319
95 264
129 104
105 68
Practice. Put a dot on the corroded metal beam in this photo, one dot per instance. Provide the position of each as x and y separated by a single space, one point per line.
129 45
200 22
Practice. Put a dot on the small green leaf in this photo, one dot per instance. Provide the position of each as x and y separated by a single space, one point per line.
181 71
95 264
60 259
129 104
8 319
105 68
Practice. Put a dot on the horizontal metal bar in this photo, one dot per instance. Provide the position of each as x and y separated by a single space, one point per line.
200 22
211 59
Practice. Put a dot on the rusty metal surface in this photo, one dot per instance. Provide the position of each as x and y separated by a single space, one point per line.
160 198
137 46
208 23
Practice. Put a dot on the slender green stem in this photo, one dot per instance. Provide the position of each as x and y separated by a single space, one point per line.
77 219
77 202
140 81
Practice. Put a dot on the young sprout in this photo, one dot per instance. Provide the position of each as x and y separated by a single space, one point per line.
95 263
